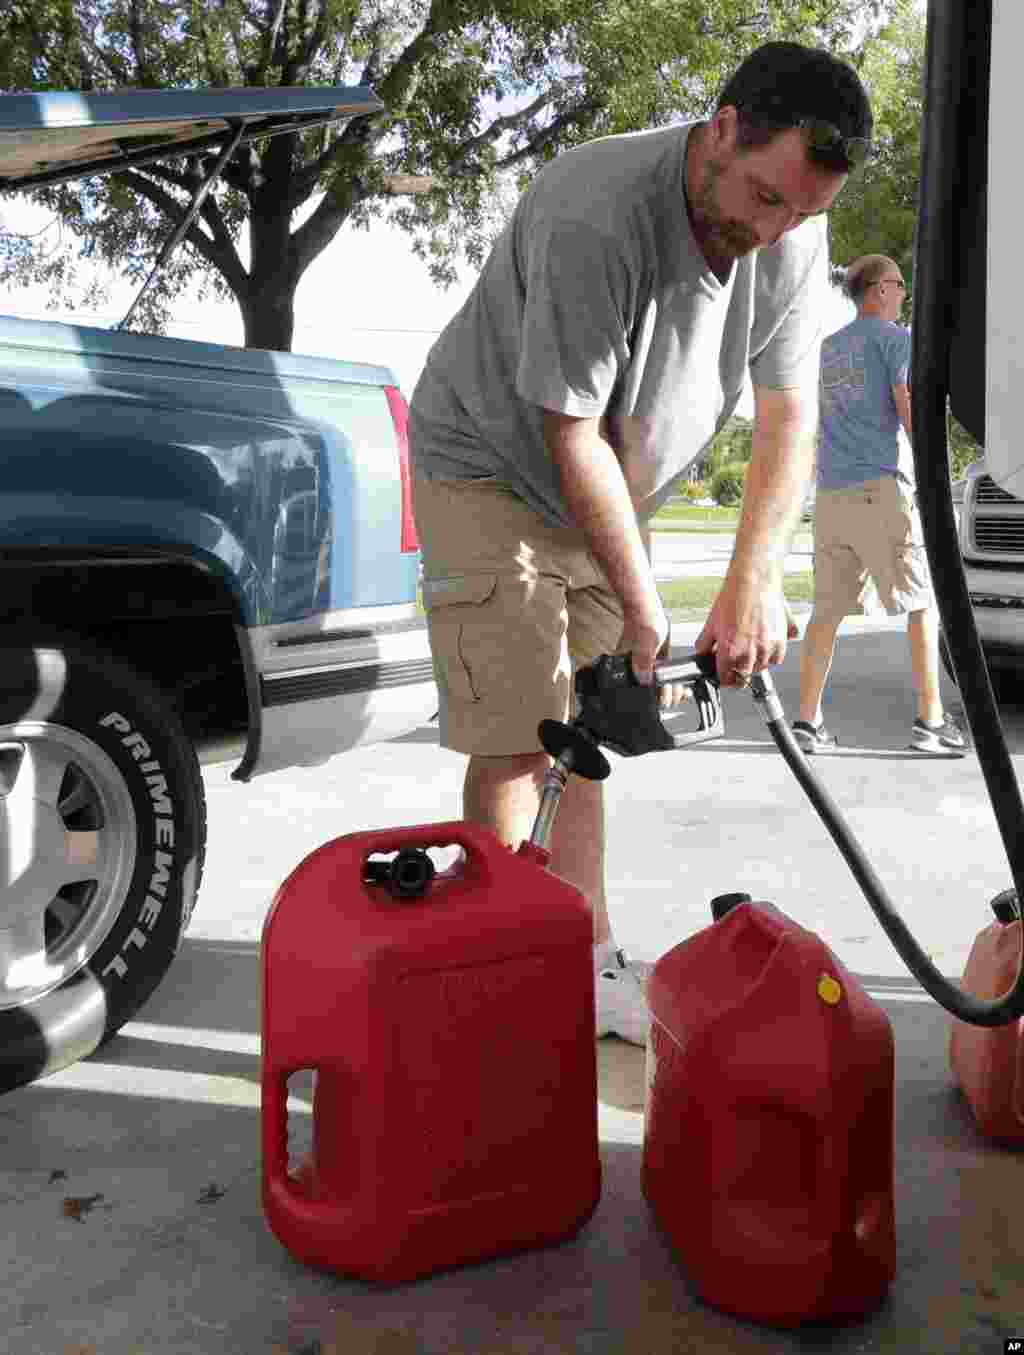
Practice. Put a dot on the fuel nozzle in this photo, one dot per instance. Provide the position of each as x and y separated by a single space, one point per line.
573 750
617 710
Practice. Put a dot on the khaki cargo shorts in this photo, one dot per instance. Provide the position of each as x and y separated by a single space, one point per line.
866 535
513 606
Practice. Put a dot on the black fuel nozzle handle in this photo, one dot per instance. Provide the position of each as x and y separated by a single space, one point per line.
619 711
616 709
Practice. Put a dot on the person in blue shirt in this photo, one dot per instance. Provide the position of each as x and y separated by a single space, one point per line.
867 531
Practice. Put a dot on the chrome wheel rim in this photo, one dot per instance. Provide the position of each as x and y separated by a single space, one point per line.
68 844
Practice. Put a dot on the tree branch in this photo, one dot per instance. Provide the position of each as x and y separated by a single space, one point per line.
188 182
498 128
394 86
234 28
296 72
218 254
314 235
240 172
145 77
270 42
307 178
216 71
285 59
32 28
111 60
581 113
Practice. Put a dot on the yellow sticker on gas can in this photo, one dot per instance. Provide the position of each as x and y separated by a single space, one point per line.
829 989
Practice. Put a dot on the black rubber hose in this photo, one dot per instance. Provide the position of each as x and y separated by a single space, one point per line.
947 993
946 140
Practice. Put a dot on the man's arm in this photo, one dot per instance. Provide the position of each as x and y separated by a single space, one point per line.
746 627
599 500
901 394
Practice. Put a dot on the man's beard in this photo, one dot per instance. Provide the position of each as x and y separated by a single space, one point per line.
722 235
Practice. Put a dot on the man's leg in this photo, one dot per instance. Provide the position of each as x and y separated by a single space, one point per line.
511 606
503 794
904 584
816 650
923 634
838 584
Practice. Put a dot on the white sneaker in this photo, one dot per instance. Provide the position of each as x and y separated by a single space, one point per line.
619 998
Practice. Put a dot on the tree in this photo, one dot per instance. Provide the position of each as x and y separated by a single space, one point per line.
475 91
735 443
963 450
876 213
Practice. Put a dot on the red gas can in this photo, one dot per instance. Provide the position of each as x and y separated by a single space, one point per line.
768 1151
452 1034
988 1063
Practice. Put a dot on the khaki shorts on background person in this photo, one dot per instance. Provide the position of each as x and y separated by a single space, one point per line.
869 534
513 605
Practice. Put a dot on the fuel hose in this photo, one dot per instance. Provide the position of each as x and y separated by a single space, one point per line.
955 121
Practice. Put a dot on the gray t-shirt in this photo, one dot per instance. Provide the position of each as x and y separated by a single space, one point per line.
596 300
859 435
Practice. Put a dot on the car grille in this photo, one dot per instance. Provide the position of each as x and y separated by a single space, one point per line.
997 526
987 491
999 536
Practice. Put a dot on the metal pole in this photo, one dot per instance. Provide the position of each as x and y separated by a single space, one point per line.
178 234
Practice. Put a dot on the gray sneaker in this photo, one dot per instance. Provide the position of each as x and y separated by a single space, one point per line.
945 738
813 739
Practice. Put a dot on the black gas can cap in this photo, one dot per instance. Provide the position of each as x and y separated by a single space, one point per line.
725 903
1006 906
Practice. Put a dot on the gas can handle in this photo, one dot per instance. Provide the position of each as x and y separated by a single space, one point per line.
477 843
274 1093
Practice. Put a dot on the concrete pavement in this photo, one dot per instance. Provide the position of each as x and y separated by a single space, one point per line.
131 1181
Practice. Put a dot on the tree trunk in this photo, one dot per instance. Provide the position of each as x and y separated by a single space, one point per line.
268 312
269 321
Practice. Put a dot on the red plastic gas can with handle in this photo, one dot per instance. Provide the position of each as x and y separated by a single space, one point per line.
768 1146
988 1063
452 1034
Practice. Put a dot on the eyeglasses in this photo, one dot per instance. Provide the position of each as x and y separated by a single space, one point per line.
825 139
896 282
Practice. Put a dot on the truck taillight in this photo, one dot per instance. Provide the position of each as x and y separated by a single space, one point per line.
400 416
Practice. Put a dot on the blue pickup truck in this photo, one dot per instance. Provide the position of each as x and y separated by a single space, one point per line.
205 554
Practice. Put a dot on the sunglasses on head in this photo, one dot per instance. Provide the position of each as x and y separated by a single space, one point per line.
826 140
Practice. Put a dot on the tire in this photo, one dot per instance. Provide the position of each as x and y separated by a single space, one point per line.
1006 681
102 837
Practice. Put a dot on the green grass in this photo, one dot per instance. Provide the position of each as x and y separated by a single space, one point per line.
678 515
690 599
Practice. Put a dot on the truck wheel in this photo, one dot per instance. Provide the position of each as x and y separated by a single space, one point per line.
1006 683
102 832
